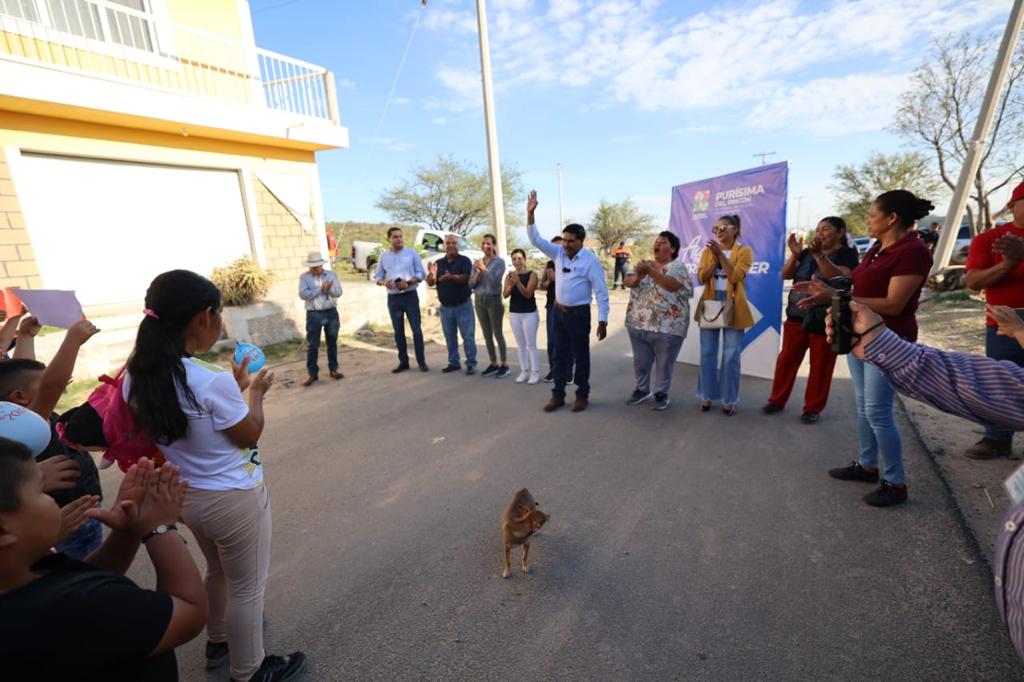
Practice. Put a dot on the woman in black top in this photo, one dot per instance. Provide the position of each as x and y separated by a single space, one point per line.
520 286
827 256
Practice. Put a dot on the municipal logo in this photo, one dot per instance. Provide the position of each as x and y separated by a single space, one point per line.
701 200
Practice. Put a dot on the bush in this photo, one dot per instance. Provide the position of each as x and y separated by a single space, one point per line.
242 282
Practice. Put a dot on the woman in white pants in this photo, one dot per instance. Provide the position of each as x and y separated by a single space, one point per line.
520 286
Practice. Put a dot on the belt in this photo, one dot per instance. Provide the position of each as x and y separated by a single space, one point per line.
572 308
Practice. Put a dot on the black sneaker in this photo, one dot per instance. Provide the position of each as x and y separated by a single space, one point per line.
639 397
854 472
502 372
661 402
809 417
887 495
549 377
470 371
570 380
216 654
770 409
400 368
490 371
280 668
424 368
450 368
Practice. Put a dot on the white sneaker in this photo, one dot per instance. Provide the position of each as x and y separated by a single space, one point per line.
523 376
534 378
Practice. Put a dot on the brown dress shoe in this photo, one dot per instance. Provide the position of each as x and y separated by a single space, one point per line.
579 405
554 404
988 448
310 380
335 374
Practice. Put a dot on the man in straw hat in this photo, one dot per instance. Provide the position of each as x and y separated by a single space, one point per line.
320 289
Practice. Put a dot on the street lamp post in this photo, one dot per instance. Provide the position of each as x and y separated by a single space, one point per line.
494 163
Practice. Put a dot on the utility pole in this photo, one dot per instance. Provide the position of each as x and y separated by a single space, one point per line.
494 164
561 211
764 155
976 145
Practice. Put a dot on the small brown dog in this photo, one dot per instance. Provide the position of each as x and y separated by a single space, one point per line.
521 520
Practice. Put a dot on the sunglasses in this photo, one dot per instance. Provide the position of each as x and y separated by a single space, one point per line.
721 228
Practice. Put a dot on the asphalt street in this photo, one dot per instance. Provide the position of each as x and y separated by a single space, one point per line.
682 545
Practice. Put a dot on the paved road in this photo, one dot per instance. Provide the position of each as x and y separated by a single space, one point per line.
682 545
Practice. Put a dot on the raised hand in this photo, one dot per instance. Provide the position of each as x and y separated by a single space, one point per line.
531 201
73 515
125 510
262 382
1010 323
59 473
241 372
162 504
82 331
29 326
796 244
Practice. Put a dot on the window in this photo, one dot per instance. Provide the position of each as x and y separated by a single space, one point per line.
103 22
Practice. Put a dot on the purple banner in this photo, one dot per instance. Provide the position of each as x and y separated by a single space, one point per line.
758 196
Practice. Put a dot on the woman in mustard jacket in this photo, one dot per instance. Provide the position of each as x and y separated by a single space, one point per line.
723 269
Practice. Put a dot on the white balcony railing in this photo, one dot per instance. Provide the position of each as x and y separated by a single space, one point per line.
116 41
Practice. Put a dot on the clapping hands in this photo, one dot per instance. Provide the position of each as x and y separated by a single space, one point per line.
148 497
796 244
1010 247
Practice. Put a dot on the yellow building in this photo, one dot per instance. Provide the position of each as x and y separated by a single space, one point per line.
138 136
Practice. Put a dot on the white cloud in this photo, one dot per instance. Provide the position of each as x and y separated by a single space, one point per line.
439 120
345 83
641 53
829 106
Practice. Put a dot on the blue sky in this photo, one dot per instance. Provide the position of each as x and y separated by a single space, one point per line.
631 96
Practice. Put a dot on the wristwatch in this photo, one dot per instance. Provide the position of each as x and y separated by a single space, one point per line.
159 530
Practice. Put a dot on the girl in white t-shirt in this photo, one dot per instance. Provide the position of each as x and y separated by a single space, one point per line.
201 423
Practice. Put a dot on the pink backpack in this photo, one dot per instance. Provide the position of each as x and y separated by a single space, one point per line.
106 421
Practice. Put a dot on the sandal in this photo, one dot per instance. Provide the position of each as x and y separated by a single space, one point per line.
728 410
705 405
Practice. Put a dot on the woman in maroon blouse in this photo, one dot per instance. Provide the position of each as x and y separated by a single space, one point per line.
888 280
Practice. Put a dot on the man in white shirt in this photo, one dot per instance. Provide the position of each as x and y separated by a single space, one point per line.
578 277
320 289
399 271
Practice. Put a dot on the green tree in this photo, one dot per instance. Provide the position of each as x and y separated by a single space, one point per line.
856 186
937 115
452 196
614 223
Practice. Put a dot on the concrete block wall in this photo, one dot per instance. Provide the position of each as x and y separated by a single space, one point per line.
18 266
285 243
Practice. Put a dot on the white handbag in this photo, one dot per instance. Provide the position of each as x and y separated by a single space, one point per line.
715 314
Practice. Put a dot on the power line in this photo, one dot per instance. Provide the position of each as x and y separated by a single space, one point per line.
763 156
394 84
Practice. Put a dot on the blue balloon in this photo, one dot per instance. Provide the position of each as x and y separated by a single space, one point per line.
256 357
24 426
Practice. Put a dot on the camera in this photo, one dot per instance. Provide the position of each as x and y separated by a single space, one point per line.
842 318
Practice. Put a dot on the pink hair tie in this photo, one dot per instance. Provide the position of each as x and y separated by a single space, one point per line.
150 313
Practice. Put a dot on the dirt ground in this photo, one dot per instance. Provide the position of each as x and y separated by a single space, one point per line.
956 321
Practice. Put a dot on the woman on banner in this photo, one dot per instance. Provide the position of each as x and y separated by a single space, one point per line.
888 280
723 314
827 256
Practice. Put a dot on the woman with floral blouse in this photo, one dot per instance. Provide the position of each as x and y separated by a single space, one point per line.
657 319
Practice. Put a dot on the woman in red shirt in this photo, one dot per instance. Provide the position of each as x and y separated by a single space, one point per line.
888 280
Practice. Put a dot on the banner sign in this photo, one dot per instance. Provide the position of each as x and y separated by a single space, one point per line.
758 196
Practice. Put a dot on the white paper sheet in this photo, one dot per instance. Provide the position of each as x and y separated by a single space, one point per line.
52 307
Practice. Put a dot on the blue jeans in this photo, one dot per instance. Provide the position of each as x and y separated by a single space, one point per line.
1002 348
83 541
876 427
329 322
654 350
401 306
720 382
459 320
572 346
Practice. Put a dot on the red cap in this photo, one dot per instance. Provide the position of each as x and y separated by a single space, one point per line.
1018 193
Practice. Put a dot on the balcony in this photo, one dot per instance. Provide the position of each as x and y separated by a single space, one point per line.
124 59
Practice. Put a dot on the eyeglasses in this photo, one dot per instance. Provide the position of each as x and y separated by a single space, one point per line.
720 228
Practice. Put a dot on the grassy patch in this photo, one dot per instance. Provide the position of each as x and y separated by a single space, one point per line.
274 352
346 272
958 296
75 394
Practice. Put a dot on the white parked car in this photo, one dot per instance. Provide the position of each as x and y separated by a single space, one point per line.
364 254
862 244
